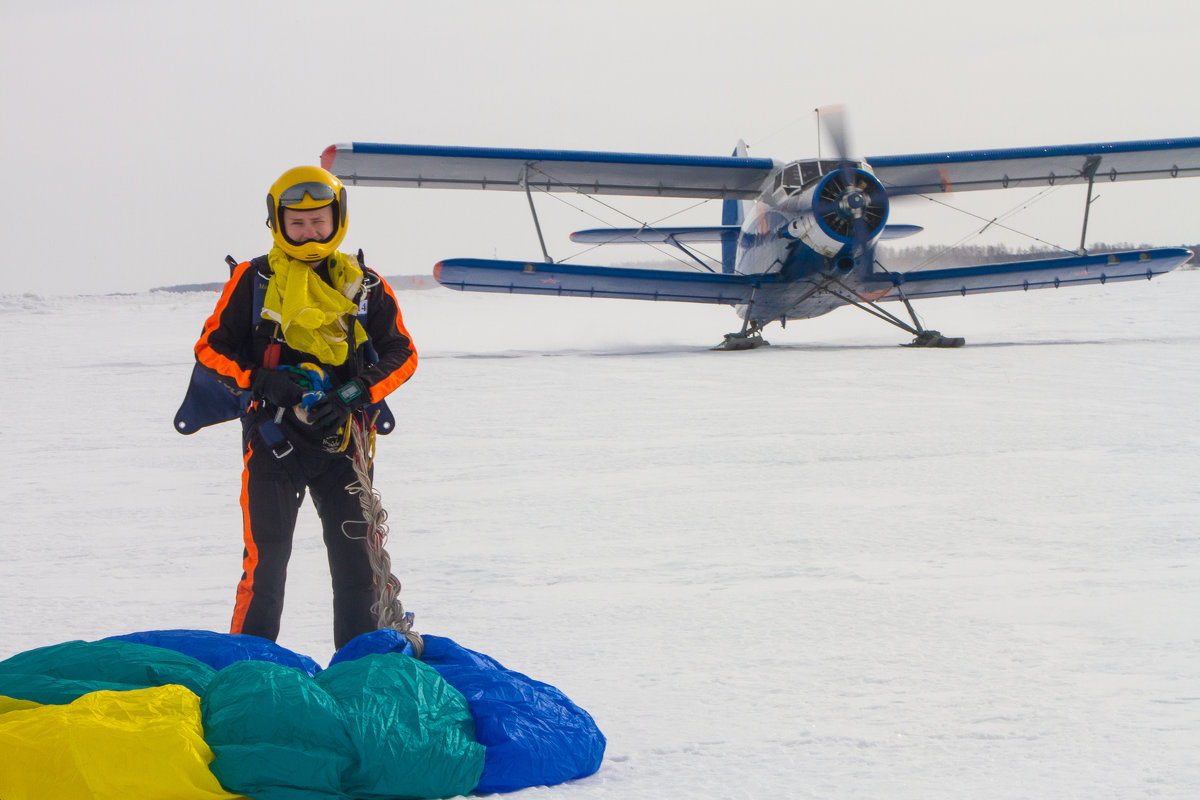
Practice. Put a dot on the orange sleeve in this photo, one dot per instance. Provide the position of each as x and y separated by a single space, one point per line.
227 331
392 342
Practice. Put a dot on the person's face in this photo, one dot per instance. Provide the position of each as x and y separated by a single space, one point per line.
310 225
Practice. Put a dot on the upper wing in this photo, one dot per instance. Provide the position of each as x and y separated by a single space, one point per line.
1044 273
1037 166
646 174
522 277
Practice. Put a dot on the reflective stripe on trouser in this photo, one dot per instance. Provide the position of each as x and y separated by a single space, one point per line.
272 491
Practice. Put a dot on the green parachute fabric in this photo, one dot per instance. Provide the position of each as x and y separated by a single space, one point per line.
63 672
380 727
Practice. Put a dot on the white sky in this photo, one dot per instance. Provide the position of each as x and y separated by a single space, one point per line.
140 137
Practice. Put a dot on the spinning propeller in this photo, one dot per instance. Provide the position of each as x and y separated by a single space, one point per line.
850 203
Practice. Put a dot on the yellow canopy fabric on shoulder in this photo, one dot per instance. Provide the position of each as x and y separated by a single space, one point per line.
109 745
313 315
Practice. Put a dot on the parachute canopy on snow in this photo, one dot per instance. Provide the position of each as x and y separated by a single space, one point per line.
222 715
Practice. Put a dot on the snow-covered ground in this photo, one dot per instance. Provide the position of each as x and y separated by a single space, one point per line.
832 568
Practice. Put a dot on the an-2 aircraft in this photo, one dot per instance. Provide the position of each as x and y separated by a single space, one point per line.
797 238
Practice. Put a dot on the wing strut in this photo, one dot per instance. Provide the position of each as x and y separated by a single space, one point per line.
1089 170
537 225
674 241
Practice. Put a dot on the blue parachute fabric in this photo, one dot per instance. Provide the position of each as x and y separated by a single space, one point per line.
219 650
534 734
63 673
384 640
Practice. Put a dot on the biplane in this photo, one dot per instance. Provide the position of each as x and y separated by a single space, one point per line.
797 239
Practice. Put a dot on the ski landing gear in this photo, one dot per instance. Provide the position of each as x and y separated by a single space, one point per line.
748 338
922 337
934 339
927 338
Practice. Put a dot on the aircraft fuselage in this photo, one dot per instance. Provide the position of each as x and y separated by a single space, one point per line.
822 232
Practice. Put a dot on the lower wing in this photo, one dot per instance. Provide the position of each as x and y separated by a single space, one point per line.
1045 273
569 280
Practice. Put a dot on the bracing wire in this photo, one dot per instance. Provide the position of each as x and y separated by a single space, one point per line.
640 223
994 221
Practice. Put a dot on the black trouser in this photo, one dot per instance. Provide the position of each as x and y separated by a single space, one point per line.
272 491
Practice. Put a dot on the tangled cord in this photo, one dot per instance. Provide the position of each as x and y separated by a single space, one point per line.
389 611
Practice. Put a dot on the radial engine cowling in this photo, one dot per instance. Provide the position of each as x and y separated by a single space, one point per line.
844 212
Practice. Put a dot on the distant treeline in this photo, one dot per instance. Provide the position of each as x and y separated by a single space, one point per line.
932 256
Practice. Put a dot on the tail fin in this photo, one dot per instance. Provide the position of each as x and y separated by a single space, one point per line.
733 212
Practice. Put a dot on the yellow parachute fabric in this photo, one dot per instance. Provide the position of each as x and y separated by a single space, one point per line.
145 743
314 316
13 704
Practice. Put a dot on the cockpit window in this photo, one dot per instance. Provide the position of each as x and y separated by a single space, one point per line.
798 174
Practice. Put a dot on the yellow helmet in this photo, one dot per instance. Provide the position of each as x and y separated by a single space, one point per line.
303 189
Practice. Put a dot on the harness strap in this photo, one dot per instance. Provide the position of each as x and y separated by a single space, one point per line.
272 436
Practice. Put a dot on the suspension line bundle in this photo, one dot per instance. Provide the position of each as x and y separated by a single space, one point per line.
389 611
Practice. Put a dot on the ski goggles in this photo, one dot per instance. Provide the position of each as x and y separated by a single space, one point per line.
318 194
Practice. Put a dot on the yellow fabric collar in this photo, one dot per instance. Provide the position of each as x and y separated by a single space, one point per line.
313 315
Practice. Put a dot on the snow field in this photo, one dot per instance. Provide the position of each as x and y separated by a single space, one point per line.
833 568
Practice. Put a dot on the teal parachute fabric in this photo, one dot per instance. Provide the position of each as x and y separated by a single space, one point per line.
64 672
380 727
534 734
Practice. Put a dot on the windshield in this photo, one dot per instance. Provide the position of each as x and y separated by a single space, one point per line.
799 174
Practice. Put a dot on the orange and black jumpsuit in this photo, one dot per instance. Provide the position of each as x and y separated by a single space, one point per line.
232 346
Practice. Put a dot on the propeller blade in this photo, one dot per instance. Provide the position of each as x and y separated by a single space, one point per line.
856 197
834 119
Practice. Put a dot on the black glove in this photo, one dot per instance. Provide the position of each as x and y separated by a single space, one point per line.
277 386
331 411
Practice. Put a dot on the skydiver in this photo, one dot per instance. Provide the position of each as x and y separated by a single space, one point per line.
312 314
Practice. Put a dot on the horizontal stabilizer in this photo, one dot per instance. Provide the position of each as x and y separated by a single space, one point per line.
1004 168
573 280
584 171
1044 273
714 233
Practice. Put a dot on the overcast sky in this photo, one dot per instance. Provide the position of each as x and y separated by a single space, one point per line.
140 137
